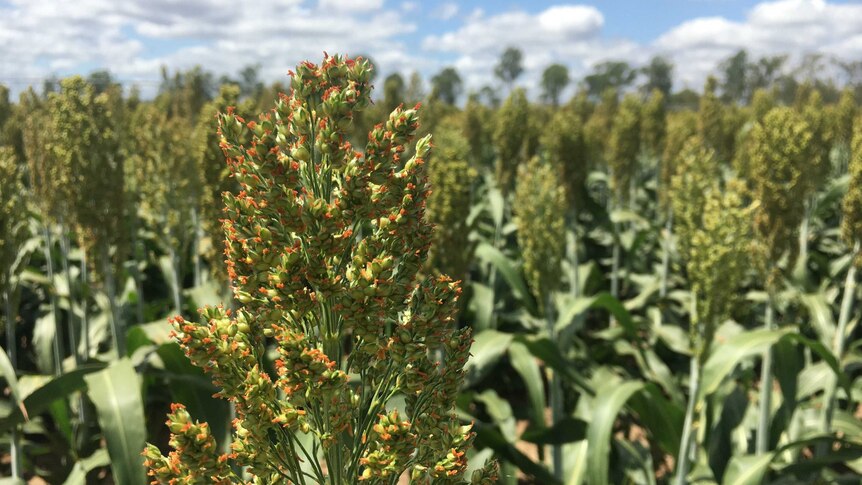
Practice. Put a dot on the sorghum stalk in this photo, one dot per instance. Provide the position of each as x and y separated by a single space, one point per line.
324 245
49 186
851 229
780 146
540 206
681 127
510 137
623 150
714 229
13 213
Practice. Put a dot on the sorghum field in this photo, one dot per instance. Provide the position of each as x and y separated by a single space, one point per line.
317 283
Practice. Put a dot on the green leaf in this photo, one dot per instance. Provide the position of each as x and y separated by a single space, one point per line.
78 475
603 301
57 388
525 364
544 349
725 356
490 437
488 347
568 430
482 306
8 371
504 265
747 469
116 394
607 405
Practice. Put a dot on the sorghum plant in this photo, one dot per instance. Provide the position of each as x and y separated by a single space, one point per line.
713 121
169 184
451 178
13 231
540 208
85 146
654 124
215 176
475 122
323 247
779 149
716 262
622 158
597 129
563 144
851 232
680 128
509 137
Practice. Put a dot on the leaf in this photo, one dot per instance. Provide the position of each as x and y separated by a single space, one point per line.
504 265
8 371
607 405
488 347
604 301
488 436
78 475
546 350
660 416
482 306
747 469
724 357
116 394
567 430
526 366
57 388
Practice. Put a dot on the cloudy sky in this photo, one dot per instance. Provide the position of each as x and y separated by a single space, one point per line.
133 38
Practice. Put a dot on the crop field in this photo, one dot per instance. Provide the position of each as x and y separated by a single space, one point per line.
585 281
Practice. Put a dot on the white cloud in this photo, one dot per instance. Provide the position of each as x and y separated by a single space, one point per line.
221 35
569 34
447 11
134 38
794 27
351 5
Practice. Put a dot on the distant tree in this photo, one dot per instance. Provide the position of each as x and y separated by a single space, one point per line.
250 85
659 76
393 91
687 99
764 73
735 72
510 66
554 80
50 85
415 89
446 85
185 93
609 75
488 96
101 80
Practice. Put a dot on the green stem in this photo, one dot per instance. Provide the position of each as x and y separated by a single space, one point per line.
555 394
85 307
765 411
175 270
665 254
687 445
136 271
116 324
196 254
58 353
15 445
65 248
840 341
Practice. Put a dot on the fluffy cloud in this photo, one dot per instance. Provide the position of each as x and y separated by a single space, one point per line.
221 35
569 34
134 38
796 27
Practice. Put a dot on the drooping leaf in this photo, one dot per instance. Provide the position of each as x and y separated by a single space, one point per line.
116 394
607 405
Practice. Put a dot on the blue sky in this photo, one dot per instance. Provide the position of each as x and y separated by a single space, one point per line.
133 38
